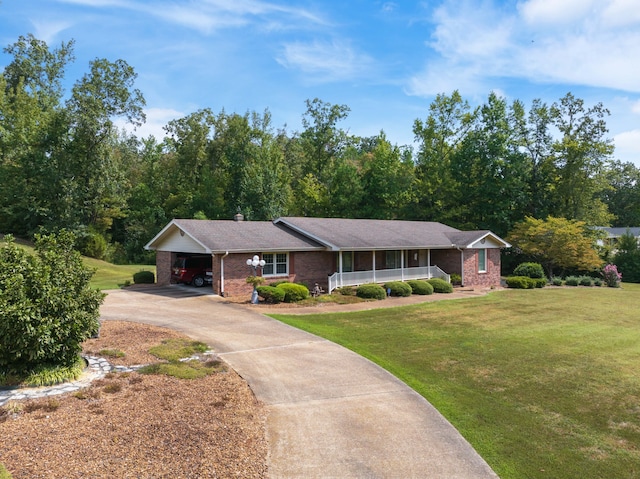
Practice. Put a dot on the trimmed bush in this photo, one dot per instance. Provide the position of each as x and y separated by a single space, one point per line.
539 282
557 281
455 279
520 282
530 270
144 277
271 294
294 292
275 284
371 291
346 291
572 281
586 281
420 287
440 285
398 288
597 282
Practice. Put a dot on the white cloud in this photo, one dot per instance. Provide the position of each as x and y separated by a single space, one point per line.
534 43
635 108
48 31
621 12
628 145
157 119
325 61
554 11
210 15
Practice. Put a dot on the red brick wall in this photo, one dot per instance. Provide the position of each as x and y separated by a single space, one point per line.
236 272
448 260
311 267
304 267
164 260
486 279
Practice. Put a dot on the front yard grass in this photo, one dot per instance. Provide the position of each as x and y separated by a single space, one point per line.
543 383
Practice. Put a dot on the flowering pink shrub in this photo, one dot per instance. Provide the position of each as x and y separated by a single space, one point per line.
611 276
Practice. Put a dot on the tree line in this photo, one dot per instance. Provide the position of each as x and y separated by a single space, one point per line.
65 165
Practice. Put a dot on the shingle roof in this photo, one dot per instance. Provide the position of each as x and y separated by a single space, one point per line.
239 236
619 231
367 234
308 234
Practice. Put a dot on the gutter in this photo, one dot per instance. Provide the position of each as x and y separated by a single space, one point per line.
222 273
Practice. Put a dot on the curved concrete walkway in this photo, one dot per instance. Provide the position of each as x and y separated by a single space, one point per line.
330 412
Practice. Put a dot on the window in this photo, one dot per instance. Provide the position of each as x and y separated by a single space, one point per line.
347 261
392 260
482 261
275 264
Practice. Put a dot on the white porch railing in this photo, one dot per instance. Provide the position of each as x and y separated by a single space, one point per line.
356 278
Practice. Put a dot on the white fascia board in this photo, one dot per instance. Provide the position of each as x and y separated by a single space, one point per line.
497 239
167 230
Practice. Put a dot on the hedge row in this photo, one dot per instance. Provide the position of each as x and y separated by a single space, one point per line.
524 282
283 291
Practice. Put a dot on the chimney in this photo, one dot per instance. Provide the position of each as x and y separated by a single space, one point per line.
238 217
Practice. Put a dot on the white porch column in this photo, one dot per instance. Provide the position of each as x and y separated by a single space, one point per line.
340 266
374 266
402 264
429 261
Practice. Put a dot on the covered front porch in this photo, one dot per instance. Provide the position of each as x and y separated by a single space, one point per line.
356 268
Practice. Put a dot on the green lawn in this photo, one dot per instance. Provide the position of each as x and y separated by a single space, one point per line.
543 383
108 275
114 276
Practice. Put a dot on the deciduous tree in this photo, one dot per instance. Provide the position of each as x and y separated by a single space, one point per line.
557 243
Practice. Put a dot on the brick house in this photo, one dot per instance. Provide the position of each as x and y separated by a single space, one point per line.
332 252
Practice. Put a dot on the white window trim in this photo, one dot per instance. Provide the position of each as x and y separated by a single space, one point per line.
275 274
484 250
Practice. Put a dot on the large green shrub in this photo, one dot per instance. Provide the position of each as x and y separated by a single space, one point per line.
371 291
271 294
586 281
530 270
520 282
572 281
398 288
294 292
346 290
440 285
539 282
47 308
420 287
144 277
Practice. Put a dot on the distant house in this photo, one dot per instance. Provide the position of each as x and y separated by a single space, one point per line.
332 252
614 234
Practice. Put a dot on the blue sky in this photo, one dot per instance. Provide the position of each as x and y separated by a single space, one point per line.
386 60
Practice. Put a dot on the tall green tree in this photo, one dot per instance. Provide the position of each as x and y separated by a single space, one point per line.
622 195
388 180
439 136
581 152
33 132
491 171
533 138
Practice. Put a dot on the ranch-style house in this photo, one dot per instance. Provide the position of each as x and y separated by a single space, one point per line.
332 252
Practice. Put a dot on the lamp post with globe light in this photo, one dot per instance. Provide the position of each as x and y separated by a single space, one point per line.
253 263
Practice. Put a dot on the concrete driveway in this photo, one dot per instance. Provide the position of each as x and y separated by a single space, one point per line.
331 413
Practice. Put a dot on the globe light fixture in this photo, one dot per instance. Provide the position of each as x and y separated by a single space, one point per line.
253 263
